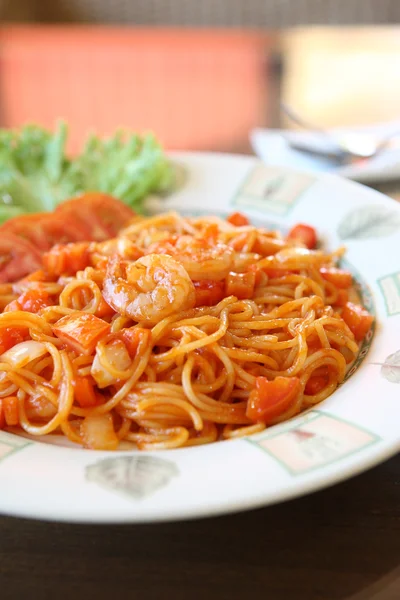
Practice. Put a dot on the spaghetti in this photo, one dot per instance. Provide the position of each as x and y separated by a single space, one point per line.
180 331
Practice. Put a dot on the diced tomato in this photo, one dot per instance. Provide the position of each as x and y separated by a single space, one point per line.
132 337
339 277
240 285
31 301
358 319
84 391
104 215
10 407
304 234
18 257
238 219
28 227
10 336
65 259
208 292
342 298
81 331
270 399
316 384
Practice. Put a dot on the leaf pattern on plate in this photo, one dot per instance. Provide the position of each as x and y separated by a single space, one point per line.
390 369
132 476
273 186
369 222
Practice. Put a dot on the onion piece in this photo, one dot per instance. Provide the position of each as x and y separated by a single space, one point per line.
23 353
98 432
117 355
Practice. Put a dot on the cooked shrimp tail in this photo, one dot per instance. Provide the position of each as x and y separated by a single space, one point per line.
148 289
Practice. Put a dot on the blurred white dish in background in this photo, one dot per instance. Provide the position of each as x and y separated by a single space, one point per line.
273 146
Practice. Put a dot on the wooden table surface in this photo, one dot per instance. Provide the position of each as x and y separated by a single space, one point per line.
342 543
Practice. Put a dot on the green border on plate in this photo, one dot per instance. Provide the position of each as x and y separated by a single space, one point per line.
396 278
13 442
295 424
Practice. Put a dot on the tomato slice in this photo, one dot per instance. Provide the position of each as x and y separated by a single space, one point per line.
103 214
28 227
18 258
43 230
113 213
270 399
61 230
71 215
304 234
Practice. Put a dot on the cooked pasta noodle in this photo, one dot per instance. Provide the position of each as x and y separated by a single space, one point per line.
181 331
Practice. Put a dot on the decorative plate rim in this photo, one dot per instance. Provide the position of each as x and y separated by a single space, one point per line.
331 442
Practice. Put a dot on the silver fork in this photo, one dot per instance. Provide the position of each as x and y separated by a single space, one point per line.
347 147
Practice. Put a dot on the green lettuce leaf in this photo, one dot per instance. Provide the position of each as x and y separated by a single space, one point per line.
36 174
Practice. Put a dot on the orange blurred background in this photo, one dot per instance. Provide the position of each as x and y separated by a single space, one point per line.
197 86
196 89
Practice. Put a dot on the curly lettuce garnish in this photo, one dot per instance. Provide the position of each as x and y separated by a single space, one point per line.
36 175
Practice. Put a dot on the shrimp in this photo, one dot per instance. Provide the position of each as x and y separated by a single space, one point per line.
119 245
202 259
101 251
149 289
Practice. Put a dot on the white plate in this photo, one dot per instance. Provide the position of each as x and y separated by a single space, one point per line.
354 429
271 146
